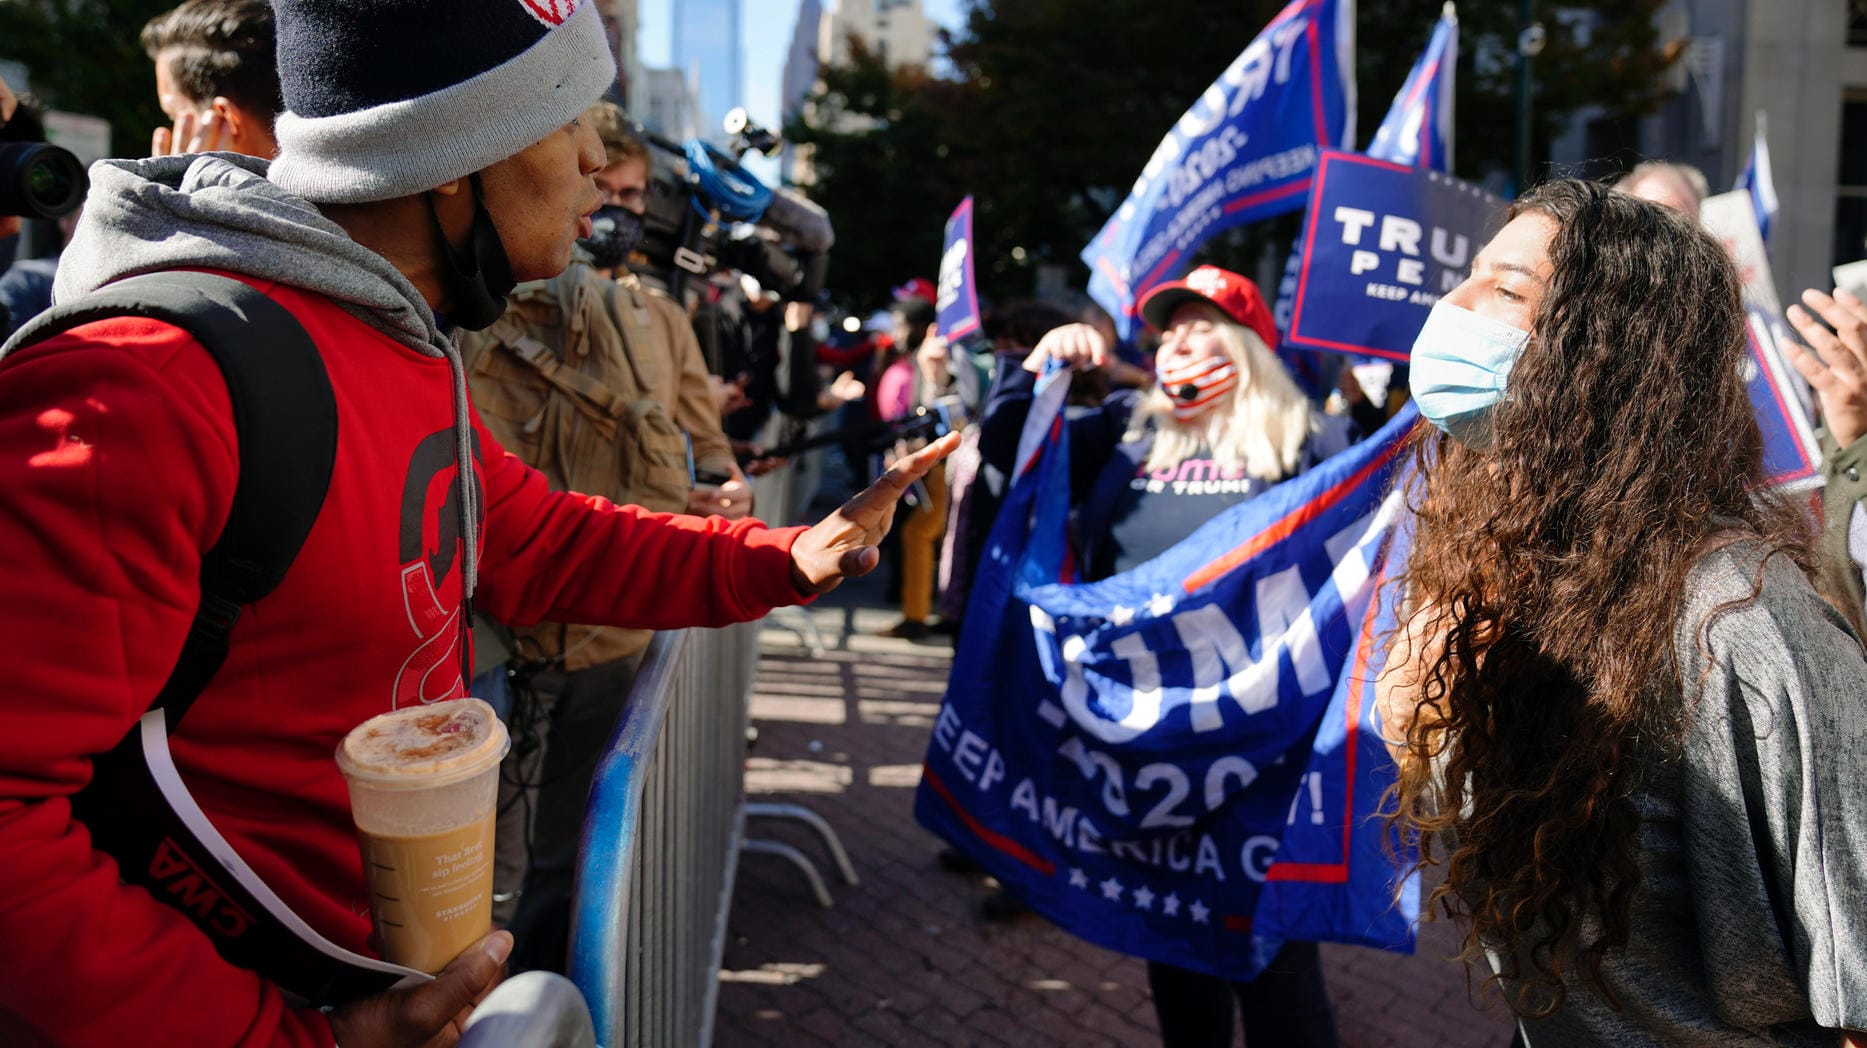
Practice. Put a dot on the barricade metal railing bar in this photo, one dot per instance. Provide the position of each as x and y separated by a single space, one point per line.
661 840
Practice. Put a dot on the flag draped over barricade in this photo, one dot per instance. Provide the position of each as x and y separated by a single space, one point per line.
1243 152
1181 762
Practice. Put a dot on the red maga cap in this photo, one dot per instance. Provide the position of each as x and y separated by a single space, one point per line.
1235 296
919 287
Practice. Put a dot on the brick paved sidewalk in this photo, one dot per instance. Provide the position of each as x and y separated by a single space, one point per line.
901 960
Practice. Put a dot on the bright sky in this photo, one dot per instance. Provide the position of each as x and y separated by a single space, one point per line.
766 38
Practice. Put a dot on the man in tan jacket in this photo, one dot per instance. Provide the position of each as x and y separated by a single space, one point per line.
597 382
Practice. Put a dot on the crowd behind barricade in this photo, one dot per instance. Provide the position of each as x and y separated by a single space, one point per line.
1623 702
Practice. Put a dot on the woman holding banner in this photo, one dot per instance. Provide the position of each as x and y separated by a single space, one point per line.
1224 424
1626 722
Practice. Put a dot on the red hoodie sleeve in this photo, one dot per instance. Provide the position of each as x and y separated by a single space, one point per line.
118 462
563 557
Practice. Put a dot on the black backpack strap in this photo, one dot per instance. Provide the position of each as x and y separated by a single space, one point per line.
136 807
285 418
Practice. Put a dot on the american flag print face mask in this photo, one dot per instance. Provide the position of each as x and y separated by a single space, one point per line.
1197 386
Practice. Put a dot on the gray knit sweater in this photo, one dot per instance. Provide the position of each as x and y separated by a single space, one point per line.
1751 924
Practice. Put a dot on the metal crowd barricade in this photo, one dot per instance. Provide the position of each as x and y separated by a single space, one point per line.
661 842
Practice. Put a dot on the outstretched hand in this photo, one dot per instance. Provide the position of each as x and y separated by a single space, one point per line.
843 544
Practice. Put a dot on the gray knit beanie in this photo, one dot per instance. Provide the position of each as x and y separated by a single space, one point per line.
385 98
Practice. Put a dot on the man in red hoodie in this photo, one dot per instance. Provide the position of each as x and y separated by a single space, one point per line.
430 155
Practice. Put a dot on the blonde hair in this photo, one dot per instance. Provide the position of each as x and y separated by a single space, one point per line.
1262 428
612 127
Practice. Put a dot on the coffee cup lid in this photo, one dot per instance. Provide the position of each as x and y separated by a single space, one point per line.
423 747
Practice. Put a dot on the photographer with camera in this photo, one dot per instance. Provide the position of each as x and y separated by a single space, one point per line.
407 199
37 181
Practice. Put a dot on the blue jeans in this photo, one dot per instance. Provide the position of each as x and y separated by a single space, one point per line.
1286 1005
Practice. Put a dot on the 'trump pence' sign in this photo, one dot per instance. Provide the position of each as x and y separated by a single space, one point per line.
1382 243
957 309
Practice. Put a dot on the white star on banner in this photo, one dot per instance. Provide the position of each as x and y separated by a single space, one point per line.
1078 879
1143 898
1170 905
1122 615
1111 889
1199 912
1160 604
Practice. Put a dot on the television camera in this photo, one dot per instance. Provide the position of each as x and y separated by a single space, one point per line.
707 213
36 180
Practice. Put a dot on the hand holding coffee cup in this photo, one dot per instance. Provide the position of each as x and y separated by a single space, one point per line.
423 786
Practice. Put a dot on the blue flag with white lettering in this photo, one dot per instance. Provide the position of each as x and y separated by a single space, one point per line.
1382 244
1417 132
1244 151
956 309
1181 762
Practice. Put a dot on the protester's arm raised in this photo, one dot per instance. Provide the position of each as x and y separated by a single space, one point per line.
1837 365
844 544
565 557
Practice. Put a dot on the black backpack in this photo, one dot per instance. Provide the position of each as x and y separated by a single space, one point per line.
135 806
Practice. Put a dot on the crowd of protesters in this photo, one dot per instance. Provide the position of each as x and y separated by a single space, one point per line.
1625 701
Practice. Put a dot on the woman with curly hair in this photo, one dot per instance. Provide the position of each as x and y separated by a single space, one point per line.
1627 725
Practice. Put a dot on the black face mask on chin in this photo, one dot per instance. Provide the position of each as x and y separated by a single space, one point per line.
477 281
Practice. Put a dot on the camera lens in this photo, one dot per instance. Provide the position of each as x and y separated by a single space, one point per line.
39 180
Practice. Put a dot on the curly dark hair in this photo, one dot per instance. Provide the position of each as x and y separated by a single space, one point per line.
1553 564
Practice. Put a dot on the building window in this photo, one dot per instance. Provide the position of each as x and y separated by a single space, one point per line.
1857 23
1851 193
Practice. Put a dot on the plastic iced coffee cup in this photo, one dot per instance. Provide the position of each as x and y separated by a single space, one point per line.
423 786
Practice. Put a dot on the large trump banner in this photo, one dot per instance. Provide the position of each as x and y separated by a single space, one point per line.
1245 151
1181 762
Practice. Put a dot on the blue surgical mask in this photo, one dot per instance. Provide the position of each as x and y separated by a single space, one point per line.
1458 370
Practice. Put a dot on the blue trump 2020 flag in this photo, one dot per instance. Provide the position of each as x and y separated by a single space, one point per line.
1418 128
1181 762
1417 132
1244 151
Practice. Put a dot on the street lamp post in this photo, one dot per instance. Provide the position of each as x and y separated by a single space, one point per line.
1530 39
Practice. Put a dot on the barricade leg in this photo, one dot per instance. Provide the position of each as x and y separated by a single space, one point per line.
815 822
795 858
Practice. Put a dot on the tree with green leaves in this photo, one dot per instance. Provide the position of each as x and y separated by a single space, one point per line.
84 57
1053 106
